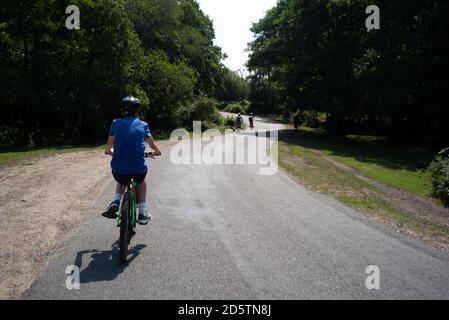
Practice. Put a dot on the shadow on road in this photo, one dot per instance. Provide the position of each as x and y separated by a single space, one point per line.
105 265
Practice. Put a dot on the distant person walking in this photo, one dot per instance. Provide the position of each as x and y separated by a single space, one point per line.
297 121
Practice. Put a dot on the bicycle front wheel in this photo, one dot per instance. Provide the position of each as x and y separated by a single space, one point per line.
124 228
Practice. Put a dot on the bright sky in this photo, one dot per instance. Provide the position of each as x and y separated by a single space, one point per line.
232 22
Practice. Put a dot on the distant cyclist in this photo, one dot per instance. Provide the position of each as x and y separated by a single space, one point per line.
126 145
251 121
239 121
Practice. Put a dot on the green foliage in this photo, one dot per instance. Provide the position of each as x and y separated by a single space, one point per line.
232 87
318 55
195 40
240 107
168 86
230 121
263 96
439 169
183 32
310 118
203 109
59 82
8 136
66 85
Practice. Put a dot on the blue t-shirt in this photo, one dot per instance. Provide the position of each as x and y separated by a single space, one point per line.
129 146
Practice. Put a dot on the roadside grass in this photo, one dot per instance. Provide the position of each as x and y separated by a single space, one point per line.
161 135
318 174
400 167
10 155
275 118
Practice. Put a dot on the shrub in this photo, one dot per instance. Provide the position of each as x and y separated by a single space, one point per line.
235 108
245 104
9 136
310 119
168 86
229 122
222 105
439 169
206 125
203 109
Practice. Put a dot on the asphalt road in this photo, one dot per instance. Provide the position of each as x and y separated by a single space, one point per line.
226 232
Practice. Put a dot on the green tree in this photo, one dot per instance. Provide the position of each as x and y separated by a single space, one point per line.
232 87
168 85
64 84
318 55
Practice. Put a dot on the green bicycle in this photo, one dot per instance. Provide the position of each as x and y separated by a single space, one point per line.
127 217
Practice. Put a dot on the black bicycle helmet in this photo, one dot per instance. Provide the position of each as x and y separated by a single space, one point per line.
130 105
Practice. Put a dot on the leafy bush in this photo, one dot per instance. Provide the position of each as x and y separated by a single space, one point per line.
229 121
439 169
310 119
203 109
237 107
222 105
168 86
9 136
206 125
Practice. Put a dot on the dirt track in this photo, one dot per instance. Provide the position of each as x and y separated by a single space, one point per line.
42 200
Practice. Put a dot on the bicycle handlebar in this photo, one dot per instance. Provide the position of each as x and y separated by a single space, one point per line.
147 155
151 155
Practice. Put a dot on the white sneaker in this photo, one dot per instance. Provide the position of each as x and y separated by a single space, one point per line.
144 218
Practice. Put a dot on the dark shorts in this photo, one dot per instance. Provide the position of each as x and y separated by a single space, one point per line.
125 179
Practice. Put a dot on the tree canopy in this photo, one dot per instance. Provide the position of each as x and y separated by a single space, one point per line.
60 84
318 55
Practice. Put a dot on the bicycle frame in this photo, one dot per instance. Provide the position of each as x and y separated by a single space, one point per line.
132 189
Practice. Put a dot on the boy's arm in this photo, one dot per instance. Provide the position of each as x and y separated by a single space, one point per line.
153 146
110 143
109 146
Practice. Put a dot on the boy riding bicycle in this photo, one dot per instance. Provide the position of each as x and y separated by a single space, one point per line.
126 145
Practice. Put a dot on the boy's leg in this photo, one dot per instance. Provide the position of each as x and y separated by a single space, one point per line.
144 215
119 191
113 208
142 192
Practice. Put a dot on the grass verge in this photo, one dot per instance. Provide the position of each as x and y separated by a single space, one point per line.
400 167
319 174
11 155
276 118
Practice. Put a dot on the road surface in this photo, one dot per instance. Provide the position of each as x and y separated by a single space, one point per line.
226 232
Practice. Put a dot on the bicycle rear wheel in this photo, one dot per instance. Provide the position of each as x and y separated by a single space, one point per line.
124 228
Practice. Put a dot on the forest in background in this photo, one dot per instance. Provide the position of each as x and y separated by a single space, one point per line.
317 56
60 85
